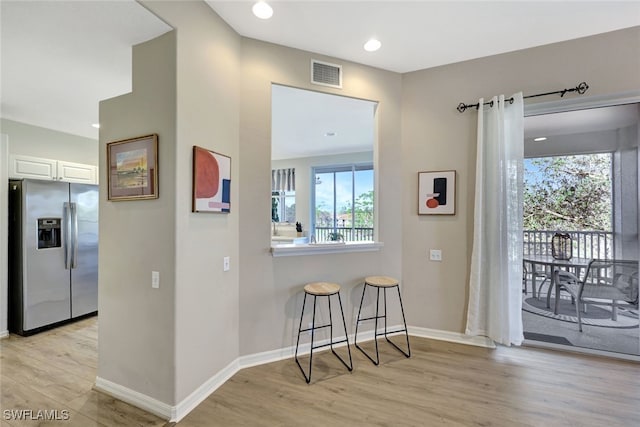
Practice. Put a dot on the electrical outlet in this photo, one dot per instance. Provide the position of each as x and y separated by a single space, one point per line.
226 263
435 255
155 279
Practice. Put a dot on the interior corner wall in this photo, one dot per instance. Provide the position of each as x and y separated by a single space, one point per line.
435 136
137 323
36 141
271 288
208 103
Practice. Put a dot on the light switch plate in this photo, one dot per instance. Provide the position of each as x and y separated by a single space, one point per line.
435 255
225 263
155 279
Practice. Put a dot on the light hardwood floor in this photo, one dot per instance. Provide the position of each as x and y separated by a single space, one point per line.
55 371
442 384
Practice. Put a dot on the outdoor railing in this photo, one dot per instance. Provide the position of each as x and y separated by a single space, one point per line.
586 244
349 234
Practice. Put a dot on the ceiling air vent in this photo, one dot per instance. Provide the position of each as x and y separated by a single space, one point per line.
325 74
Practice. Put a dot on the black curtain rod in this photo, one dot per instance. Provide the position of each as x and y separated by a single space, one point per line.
581 88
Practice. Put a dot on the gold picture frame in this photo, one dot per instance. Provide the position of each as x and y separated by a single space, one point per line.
132 168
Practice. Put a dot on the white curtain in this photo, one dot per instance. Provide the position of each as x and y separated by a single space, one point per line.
495 282
283 179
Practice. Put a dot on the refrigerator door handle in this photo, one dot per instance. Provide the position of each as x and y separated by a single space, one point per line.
67 235
74 235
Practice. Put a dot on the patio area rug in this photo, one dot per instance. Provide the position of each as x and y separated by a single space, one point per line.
595 315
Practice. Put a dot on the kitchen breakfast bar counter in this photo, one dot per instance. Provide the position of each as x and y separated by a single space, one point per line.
290 249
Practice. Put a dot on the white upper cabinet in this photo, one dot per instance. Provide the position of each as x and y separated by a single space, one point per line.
32 167
53 170
76 172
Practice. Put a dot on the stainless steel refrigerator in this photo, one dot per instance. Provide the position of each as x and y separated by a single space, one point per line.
53 253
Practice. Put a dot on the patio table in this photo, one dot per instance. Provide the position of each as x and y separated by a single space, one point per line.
549 261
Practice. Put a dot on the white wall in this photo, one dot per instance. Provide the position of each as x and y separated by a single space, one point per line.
436 137
136 349
271 288
4 201
29 140
166 343
208 102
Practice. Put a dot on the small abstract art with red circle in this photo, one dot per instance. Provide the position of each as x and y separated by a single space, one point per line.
436 193
211 181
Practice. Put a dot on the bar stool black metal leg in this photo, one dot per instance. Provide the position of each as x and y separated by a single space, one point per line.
355 338
330 325
313 324
406 333
384 295
344 323
304 302
375 361
375 328
313 330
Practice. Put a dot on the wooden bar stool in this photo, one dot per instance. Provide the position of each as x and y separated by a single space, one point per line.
321 289
381 282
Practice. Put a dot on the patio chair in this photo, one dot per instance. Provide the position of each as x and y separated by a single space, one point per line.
533 275
605 282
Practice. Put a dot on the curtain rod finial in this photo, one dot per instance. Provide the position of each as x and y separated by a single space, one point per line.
462 107
582 88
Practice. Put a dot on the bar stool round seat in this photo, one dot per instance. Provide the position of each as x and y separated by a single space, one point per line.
384 283
381 281
320 290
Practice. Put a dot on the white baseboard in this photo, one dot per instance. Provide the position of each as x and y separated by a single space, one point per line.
288 352
213 383
189 403
456 337
266 357
135 398
178 412
4 334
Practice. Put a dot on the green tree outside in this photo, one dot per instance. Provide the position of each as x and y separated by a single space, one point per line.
568 193
363 212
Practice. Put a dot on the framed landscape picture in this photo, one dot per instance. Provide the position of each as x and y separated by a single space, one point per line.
211 181
437 193
133 168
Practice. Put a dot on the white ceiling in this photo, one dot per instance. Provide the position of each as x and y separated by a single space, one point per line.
307 123
60 58
581 121
423 34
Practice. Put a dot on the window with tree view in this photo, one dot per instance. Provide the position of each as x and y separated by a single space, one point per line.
570 194
283 206
343 203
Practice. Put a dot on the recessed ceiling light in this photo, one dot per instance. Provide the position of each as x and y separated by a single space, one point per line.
96 125
539 139
372 45
262 10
